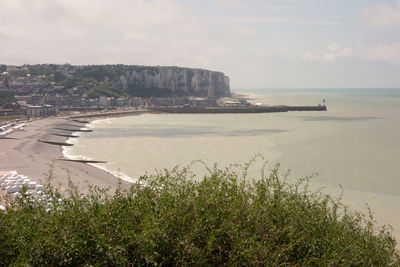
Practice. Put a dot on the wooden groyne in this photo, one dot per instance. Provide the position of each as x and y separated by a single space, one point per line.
75 130
55 143
68 125
66 135
79 121
84 161
240 109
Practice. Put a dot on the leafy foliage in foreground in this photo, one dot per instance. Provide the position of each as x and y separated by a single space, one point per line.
174 220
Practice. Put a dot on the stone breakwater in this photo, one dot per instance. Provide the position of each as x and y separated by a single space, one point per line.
250 109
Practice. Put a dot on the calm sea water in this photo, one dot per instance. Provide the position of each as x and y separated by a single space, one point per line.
355 144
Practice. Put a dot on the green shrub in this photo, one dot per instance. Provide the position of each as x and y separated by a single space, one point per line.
172 219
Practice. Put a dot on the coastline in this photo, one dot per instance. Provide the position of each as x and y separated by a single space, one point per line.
23 152
95 118
87 121
81 174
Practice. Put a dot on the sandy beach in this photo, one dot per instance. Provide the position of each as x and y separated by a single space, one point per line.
21 151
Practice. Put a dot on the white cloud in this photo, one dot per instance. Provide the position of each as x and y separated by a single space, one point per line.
252 2
308 56
333 47
328 58
275 20
381 15
256 42
384 52
344 52
101 31
225 2
244 33
336 52
389 53
263 6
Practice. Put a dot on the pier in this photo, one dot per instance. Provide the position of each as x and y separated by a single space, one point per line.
239 109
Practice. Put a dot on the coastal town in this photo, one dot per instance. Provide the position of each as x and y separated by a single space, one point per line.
72 96
27 91
60 93
46 90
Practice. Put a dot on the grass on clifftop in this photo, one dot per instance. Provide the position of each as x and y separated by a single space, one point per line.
174 220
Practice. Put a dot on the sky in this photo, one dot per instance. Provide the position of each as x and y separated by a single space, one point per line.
257 43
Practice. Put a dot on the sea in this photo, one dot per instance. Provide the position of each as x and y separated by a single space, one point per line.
352 149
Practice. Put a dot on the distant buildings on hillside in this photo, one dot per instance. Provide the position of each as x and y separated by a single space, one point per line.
40 111
30 111
36 91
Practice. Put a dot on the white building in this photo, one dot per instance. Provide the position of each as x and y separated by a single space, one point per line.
41 111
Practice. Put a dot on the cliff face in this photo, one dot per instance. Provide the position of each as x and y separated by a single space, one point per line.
128 80
194 82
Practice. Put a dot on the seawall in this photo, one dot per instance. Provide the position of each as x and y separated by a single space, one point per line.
251 109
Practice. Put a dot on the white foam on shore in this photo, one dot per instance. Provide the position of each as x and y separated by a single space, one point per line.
93 123
117 174
67 150
67 153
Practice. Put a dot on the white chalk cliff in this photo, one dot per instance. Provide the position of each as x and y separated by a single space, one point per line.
195 82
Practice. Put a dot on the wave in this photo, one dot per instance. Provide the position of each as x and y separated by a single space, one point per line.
68 152
118 174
